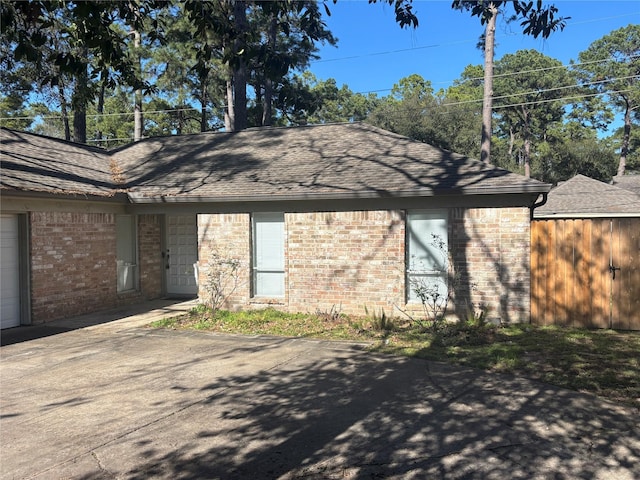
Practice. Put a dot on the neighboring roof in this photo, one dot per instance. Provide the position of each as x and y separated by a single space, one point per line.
336 161
36 163
332 161
628 182
585 197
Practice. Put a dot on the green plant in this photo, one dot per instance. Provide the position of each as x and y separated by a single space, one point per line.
329 315
222 279
477 316
379 320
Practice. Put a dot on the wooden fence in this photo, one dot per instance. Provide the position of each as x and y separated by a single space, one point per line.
586 272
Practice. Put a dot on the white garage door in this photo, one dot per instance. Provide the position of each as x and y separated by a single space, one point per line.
9 272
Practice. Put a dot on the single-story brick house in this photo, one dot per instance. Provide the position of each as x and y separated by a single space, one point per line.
330 216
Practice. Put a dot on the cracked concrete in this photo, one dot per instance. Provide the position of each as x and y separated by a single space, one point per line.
119 401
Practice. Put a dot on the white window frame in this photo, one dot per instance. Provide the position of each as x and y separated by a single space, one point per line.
267 255
426 263
127 277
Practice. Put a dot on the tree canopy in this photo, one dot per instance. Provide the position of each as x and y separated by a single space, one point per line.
203 66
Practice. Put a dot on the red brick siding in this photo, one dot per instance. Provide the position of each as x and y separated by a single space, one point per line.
150 258
346 260
494 244
73 268
73 263
229 236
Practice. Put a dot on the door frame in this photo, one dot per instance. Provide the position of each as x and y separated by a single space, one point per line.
166 254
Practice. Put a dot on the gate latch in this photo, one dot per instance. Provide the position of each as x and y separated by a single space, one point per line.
613 269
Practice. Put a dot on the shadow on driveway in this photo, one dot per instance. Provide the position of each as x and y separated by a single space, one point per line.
145 403
146 312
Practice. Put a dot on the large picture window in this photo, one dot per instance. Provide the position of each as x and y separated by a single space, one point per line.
126 253
268 254
427 253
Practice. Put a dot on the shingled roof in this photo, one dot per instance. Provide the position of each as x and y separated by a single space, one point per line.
335 161
628 182
332 161
35 163
585 197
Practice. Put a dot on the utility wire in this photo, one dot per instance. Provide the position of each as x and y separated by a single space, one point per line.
519 72
463 102
533 92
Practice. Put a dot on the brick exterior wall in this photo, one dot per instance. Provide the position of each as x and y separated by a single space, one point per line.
227 235
346 260
150 257
73 263
491 248
73 268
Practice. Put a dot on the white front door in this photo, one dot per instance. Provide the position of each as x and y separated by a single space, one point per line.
181 254
9 272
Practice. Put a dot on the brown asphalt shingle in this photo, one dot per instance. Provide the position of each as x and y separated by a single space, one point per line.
322 161
583 196
628 182
36 163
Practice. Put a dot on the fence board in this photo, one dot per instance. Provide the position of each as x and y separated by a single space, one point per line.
570 279
600 248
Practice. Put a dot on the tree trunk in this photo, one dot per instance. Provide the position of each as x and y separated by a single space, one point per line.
229 113
203 104
79 100
626 135
100 107
137 109
65 112
240 71
527 143
487 99
512 141
267 101
80 123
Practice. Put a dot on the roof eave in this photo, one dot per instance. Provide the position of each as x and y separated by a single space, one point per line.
493 190
551 216
116 197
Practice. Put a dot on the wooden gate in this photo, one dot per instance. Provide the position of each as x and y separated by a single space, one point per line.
586 272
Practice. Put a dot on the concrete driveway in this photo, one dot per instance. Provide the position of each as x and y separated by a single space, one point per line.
116 400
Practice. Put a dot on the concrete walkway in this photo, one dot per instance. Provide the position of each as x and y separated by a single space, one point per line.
116 400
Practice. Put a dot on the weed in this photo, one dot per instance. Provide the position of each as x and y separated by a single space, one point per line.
331 315
222 279
379 320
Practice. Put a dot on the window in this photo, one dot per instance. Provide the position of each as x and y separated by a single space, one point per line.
268 254
126 253
427 253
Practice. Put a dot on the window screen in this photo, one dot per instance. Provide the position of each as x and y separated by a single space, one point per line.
268 254
126 253
427 252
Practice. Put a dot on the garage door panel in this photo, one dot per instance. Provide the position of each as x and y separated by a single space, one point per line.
9 272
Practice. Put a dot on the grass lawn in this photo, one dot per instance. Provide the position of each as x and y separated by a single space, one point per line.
602 362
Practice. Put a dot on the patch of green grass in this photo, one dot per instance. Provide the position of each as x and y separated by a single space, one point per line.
603 362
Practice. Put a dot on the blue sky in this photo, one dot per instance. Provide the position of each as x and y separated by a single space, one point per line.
373 53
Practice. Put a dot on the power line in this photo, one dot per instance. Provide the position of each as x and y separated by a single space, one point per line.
463 102
532 92
549 100
520 72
